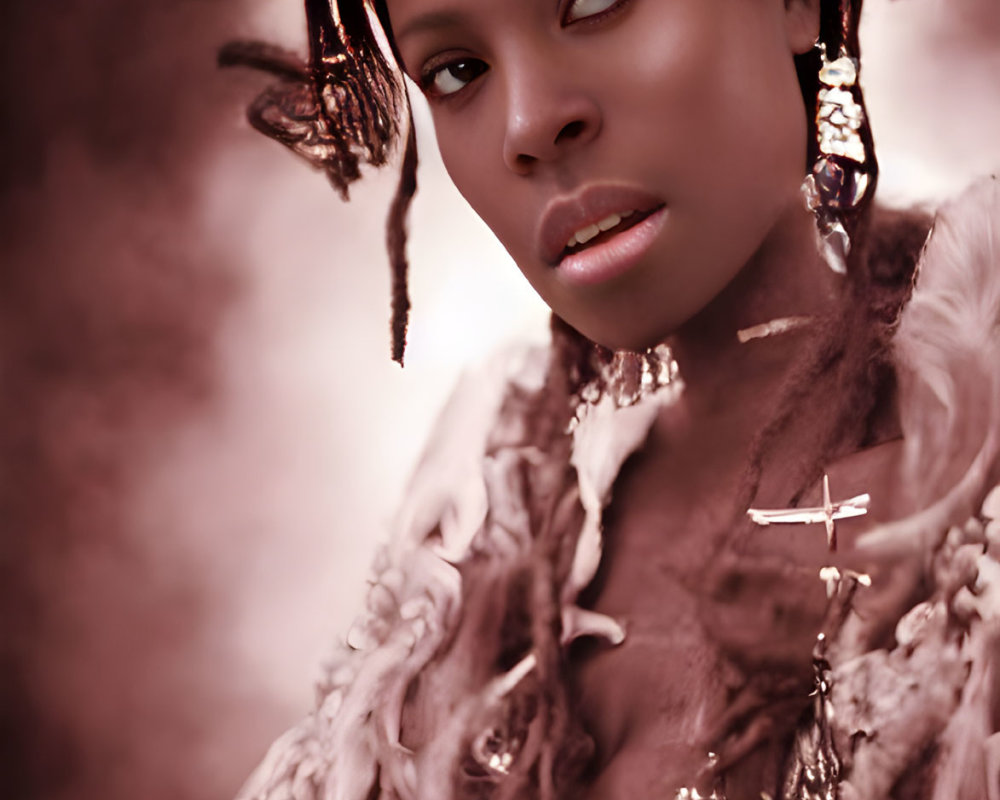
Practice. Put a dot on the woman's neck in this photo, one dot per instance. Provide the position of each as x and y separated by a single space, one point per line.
786 278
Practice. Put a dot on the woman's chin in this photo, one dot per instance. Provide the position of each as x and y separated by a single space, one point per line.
630 337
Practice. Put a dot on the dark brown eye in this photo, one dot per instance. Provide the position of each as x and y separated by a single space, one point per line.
450 78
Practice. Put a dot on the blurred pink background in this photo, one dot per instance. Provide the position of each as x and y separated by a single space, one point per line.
203 436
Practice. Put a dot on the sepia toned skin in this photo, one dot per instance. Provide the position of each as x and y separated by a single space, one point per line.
555 110
694 103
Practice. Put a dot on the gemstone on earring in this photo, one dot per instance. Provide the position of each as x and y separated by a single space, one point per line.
810 193
845 171
839 97
853 111
855 150
839 119
839 187
842 72
836 247
831 180
861 182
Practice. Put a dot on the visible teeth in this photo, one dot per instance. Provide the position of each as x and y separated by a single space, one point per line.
609 222
584 235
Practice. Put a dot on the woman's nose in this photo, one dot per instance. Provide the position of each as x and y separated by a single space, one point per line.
548 116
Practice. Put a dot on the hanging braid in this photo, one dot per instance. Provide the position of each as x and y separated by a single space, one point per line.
566 749
396 234
396 240
842 388
344 106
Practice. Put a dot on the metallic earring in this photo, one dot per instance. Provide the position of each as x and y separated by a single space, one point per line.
844 175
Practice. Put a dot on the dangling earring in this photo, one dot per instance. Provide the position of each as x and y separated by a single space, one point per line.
844 175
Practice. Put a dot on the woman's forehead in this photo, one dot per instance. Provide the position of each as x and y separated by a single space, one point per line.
410 16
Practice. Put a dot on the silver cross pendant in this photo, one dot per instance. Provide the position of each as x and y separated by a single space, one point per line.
828 513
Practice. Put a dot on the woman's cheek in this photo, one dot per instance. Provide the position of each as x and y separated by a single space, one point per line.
468 153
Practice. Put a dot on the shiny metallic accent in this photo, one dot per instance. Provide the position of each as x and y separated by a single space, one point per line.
843 178
814 768
710 774
841 72
631 376
814 773
810 194
833 578
771 328
497 746
839 116
828 513
495 751
836 247
627 378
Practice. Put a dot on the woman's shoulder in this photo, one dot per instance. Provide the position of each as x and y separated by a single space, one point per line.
443 636
350 741
946 350
916 718
446 496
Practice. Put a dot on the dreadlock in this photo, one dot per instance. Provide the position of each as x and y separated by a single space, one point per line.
342 107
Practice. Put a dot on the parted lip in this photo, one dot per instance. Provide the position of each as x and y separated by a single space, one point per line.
565 215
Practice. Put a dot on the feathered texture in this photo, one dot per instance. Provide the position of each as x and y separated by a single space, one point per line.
919 720
947 352
472 604
452 643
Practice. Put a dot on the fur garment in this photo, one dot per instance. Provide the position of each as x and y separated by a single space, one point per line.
439 657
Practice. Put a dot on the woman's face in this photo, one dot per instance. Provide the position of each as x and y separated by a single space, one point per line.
631 155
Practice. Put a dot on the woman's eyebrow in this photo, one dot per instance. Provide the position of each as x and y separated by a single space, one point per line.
430 21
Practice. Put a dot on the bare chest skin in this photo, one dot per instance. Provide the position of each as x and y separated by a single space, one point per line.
704 657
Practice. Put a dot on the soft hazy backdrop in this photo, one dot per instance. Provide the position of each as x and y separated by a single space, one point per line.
202 435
